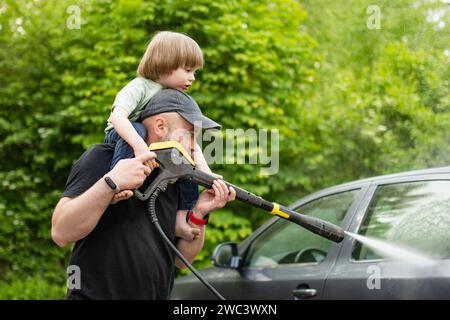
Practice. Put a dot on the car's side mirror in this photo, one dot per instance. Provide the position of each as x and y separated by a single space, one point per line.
226 255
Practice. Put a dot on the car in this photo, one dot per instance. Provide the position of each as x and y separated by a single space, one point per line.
281 260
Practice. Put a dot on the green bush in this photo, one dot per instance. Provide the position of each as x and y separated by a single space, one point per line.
34 288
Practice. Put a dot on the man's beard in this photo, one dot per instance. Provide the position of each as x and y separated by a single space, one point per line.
171 135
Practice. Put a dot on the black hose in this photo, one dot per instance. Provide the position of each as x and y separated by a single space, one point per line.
154 218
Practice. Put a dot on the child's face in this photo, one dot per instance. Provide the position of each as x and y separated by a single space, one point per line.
181 79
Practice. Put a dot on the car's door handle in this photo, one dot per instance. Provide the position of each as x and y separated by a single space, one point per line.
304 293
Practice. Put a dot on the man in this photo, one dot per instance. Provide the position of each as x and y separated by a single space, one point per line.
118 250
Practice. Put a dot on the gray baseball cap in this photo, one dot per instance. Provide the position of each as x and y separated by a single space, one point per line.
172 100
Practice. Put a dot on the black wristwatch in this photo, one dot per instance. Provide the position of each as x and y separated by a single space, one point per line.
111 184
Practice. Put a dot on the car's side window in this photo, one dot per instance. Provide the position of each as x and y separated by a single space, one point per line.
412 214
286 243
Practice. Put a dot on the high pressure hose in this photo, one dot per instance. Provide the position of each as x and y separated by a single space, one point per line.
154 219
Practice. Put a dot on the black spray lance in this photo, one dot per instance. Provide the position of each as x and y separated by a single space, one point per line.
175 163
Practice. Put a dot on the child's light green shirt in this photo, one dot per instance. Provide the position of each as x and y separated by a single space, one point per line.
134 97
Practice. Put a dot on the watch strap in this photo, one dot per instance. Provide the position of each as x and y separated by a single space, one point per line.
111 184
198 221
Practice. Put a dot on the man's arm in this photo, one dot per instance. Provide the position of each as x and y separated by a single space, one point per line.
74 218
208 201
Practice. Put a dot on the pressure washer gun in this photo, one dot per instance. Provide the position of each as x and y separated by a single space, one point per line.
175 163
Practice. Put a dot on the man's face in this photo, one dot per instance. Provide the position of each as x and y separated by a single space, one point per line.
183 132
171 126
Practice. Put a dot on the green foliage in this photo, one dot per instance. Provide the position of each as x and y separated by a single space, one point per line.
349 102
383 94
34 288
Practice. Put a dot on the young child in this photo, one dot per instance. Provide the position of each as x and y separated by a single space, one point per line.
170 60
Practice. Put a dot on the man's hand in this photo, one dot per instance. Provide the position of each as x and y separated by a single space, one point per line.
130 174
215 198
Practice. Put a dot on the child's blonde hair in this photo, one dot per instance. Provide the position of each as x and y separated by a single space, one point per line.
168 51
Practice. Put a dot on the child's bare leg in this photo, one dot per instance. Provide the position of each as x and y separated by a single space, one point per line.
183 229
122 195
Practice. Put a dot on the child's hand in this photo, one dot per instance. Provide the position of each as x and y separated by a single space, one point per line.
150 163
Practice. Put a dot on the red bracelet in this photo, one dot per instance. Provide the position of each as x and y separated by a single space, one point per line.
197 221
